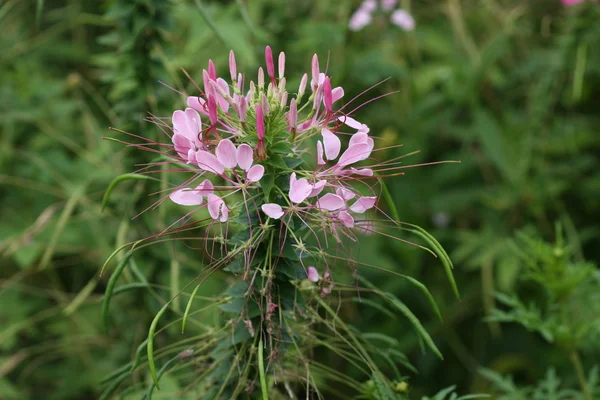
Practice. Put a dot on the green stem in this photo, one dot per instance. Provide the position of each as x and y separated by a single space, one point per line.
261 371
576 361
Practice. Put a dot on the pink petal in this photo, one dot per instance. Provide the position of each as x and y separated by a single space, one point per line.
354 154
193 123
362 172
337 93
330 202
352 123
317 188
320 160
197 103
363 204
244 156
357 138
255 173
332 144
209 162
346 219
313 274
224 212
272 210
292 179
300 190
345 193
205 188
191 157
182 145
186 197
226 153
214 205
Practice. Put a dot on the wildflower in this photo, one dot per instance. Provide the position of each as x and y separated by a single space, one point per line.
313 274
284 173
403 20
363 16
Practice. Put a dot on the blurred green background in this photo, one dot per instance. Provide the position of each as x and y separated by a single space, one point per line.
511 88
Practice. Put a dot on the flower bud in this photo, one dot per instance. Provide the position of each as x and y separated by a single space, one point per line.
281 65
212 71
232 66
315 72
261 78
302 87
270 63
327 95
260 123
265 105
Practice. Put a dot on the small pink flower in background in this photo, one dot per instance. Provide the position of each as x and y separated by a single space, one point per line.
360 19
403 20
313 274
363 16
388 5
569 3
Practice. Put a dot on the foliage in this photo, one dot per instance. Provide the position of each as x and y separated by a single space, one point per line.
507 87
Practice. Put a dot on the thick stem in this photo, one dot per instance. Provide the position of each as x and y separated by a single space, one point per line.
261 371
576 361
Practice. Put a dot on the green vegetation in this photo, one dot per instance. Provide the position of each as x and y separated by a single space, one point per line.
509 88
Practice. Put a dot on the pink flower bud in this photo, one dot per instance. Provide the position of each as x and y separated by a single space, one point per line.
284 99
302 87
240 82
313 274
318 97
243 109
232 66
327 94
282 84
206 81
293 114
212 109
212 71
281 65
260 123
270 64
315 72
265 105
261 78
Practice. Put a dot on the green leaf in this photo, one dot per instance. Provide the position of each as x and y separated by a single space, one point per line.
119 179
150 343
110 287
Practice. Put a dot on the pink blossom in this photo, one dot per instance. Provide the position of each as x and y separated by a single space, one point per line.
217 208
300 190
403 20
313 274
388 5
569 3
187 128
361 18
192 197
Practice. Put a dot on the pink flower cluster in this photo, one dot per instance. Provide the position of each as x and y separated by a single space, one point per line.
363 16
216 132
